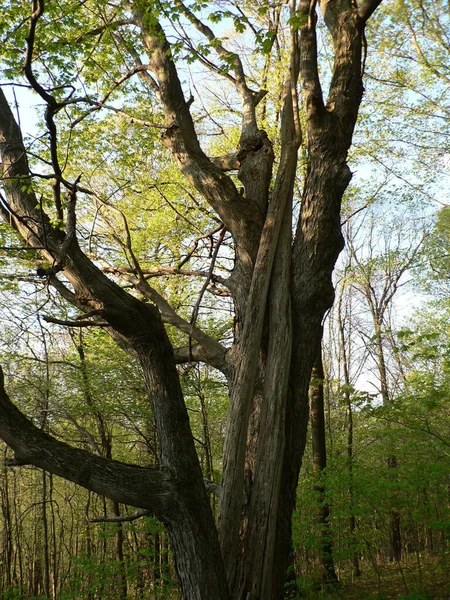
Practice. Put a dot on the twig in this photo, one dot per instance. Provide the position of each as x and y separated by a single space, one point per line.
207 280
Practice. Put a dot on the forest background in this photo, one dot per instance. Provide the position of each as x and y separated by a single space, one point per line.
373 510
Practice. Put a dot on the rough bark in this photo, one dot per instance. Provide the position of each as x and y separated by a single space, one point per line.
273 248
318 239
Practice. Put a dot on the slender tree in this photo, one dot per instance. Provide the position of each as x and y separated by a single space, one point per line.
344 314
319 458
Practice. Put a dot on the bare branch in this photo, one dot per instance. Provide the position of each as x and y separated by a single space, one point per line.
164 271
211 487
121 518
212 353
249 124
208 278
129 118
105 27
101 103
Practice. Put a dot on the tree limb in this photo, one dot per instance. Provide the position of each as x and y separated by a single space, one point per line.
147 488
240 215
312 88
249 124
212 352
367 8
78 323
164 271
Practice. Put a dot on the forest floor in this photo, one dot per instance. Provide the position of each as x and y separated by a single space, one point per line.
430 581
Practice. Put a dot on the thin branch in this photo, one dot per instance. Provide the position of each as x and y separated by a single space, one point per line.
164 271
213 352
143 73
38 11
208 277
194 246
101 103
105 27
129 118
21 248
121 518
249 125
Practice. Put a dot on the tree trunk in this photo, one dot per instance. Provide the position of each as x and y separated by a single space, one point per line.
319 457
392 463
6 567
45 537
345 357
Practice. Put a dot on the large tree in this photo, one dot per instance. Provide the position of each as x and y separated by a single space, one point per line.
280 288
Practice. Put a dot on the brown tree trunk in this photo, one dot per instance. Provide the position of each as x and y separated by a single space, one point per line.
345 357
318 239
7 542
396 534
392 463
45 537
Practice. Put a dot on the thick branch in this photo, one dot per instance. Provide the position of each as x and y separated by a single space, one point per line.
67 323
309 70
194 353
240 215
146 488
227 162
367 8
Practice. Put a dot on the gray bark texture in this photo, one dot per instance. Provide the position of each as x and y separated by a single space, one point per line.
281 288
